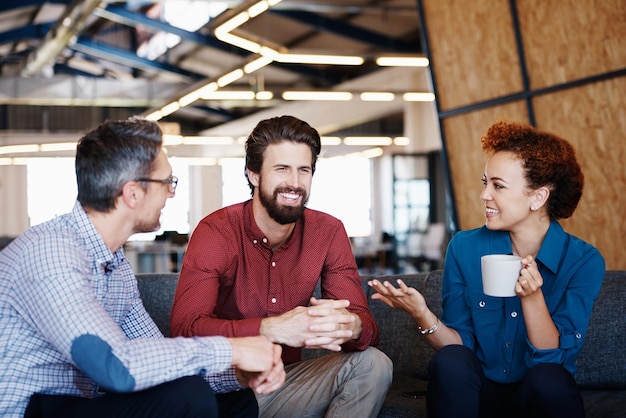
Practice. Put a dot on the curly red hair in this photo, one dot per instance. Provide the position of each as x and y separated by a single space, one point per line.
548 160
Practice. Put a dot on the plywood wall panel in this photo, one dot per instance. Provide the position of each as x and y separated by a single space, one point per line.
474 58
467 159
592 118
566 40
474 52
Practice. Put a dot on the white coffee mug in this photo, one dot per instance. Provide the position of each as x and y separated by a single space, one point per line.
500 273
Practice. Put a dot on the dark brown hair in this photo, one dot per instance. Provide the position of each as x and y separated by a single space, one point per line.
548 160
276 130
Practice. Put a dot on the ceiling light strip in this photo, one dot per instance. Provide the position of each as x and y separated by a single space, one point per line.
317 95
407 61
269 55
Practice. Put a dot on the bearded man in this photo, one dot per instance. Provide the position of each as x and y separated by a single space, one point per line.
252 268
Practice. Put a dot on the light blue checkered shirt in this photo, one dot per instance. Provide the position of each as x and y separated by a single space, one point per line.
54 289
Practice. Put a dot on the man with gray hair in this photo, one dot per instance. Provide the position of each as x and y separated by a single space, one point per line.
75 338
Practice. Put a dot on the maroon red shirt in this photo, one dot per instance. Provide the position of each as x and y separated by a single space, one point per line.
231 279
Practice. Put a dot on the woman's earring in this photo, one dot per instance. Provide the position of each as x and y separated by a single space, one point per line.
533 208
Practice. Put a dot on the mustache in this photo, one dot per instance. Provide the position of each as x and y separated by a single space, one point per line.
296 190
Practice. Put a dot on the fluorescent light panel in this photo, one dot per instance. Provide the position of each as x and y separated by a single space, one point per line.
169 108
58 146
368 140
171 140
330 140
264 95
257 9
230 77
319 59
240 42
230 95
402 61
257 64
317 95
369 153
377 96
418 97
401 141
15 149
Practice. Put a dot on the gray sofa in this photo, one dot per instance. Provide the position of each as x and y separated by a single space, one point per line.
601 364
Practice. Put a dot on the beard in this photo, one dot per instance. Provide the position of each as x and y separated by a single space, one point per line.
145 225
281 213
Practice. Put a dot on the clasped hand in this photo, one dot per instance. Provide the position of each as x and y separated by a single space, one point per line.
258 363
326 324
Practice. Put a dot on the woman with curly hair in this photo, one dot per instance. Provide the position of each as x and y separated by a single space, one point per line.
512 356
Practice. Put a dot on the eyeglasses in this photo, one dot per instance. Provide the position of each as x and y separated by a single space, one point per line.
171 181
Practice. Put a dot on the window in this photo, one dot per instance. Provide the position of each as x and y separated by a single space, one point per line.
341 187
52 195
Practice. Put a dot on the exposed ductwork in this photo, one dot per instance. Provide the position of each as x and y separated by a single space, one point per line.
59 37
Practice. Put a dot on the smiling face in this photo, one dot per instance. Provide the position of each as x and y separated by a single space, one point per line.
284 184
155 197
506 195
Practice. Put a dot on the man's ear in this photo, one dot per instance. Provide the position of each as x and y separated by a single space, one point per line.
132 194
253 177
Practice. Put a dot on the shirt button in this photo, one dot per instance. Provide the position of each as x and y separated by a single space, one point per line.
578 335
254 241
273 263
513 314
505 371
273 300
482 303
508 344
264 240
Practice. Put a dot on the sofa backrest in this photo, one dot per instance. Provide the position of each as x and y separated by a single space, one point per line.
396 327
157 294
602 360
601 363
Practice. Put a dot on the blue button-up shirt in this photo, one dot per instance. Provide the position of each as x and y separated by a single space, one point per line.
72 322
493 327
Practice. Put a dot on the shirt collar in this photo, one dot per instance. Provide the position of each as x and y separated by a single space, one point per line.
553 247
104 260
551 250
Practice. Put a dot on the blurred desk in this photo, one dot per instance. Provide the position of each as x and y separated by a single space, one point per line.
154 257
372 257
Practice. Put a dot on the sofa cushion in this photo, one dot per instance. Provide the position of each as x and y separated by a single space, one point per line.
396 325
601 363
602 360
157 294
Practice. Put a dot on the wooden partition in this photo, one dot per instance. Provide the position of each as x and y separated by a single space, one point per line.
557 64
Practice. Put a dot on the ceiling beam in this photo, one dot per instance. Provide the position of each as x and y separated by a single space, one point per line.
124 16
133 19
60 36
130 59
345 29
34 31
7 5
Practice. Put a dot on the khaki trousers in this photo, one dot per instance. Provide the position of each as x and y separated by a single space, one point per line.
341 385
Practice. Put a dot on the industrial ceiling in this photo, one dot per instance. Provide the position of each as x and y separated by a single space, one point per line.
67 65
